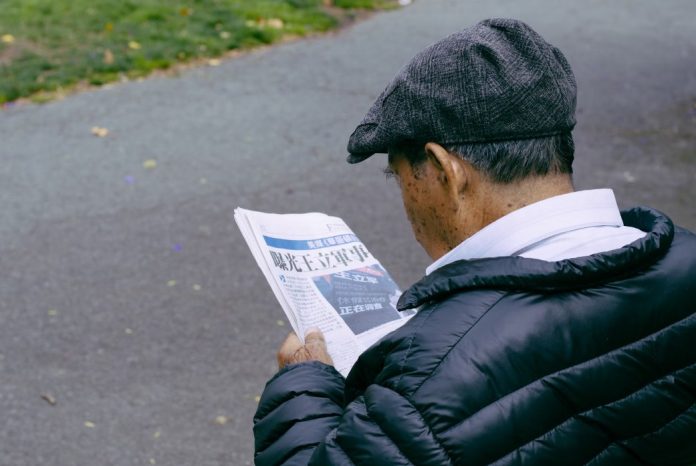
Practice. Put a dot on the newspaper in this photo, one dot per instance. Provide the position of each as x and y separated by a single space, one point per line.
324 277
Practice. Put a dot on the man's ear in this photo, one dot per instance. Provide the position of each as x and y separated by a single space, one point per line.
451 172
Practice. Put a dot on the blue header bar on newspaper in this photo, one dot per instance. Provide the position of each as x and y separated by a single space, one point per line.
331 241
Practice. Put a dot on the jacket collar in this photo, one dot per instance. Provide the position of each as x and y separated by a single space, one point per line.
519 273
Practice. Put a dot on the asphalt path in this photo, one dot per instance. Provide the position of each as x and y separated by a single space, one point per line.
135 328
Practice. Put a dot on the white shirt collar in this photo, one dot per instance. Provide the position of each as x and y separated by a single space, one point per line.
533 223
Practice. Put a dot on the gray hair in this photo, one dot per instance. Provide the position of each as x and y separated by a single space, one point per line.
509 161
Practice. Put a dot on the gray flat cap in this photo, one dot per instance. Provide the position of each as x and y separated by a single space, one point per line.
498 80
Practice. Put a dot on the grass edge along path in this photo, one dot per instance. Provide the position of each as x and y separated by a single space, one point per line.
50 48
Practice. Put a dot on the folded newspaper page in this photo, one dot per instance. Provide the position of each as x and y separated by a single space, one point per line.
324 277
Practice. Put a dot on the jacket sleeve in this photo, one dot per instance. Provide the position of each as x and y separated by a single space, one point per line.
301 420
300 405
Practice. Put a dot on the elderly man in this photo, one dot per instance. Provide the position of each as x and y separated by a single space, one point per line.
552 328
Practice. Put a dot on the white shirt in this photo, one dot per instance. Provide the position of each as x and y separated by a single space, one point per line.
571 225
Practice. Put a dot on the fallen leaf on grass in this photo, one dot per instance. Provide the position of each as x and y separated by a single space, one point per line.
99 131
7 38
108 57
185 11
275 23
133 45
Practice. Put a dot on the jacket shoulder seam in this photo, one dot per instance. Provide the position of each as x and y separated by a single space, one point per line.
454 345
411 339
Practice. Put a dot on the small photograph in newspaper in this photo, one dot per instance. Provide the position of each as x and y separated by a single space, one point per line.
364 298
323 276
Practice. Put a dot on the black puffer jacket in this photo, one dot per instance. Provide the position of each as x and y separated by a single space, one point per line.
513 361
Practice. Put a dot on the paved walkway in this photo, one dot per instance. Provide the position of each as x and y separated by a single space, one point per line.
127 296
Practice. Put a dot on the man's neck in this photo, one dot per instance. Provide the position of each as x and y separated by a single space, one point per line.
505 198
496 200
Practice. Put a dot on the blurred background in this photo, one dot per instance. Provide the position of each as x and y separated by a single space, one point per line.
135 327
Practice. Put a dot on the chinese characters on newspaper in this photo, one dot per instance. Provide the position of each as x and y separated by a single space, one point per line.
324 276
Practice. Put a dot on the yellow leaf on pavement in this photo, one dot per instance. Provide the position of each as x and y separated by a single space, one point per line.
99 131
149 164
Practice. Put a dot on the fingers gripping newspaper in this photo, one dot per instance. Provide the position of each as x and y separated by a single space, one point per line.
324 277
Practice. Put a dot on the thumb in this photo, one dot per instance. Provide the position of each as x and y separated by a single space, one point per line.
316 345
314 335
288 349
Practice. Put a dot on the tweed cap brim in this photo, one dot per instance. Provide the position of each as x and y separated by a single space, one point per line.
498 80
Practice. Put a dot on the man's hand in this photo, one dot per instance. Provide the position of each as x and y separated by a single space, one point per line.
314 349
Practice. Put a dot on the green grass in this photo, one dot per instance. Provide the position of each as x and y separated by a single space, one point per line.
48 45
